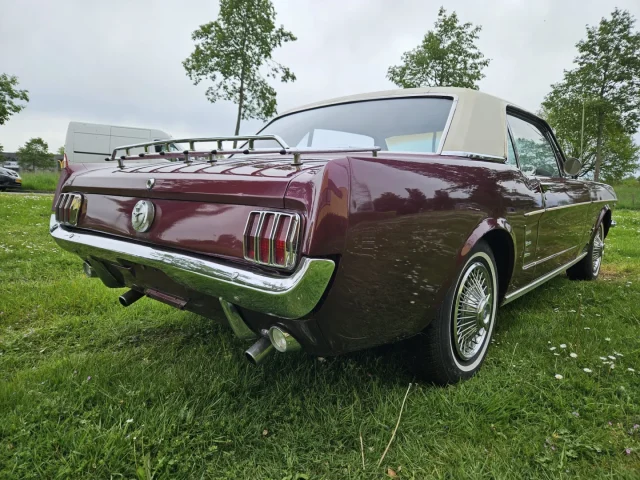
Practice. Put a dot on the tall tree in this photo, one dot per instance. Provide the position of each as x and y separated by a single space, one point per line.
606 83
35 154
234 51
447 57
9 95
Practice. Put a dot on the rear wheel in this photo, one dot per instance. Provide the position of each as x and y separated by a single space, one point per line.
455 343
589 267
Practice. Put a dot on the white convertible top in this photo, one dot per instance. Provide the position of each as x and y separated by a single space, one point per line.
478 126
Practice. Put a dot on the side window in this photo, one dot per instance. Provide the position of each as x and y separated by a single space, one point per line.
511 153
535 153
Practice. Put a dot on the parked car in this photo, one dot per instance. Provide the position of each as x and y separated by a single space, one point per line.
347 224
12 165
92 142
9 179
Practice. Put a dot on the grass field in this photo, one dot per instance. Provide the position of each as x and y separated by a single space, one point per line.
89 389
42 181
628 193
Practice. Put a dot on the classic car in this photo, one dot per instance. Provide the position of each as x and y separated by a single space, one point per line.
9 179
345 224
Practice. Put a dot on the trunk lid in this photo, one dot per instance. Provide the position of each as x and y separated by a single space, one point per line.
243 181
198 207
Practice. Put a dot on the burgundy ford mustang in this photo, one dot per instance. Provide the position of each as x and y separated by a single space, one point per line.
345 224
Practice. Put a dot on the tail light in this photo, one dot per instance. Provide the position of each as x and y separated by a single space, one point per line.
271 238
68 208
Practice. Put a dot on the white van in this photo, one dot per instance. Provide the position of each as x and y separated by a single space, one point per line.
92 143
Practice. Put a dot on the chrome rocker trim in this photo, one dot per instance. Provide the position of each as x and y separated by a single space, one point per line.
510 297
287 297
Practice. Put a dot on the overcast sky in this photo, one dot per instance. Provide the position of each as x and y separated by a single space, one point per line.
119 62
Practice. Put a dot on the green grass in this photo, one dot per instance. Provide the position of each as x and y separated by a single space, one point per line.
42 181
89 389
628 192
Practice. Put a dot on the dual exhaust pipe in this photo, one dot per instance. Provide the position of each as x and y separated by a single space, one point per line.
273 339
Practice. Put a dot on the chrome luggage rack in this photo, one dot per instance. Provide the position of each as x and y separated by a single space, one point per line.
219 152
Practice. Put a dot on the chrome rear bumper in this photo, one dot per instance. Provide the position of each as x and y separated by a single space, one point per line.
287 297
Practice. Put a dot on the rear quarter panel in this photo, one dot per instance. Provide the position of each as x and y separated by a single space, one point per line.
411 222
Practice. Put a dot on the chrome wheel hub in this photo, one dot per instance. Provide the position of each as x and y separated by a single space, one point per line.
598 249
473 310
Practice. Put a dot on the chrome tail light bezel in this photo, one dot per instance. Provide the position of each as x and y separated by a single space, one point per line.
68 208
291 238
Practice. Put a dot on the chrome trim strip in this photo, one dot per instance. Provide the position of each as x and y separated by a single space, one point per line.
542 260
536 283
560 207
534 212
474 156
288 297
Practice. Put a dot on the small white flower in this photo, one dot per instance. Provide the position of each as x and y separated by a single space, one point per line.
586 370
557 354
612 366
603 358
618 354
563 345
558 376
630 369
607 339
130 420
572 311
597 314
573 355
611 357
552 348
587 328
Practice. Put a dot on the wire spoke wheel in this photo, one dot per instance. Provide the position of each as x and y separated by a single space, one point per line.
598 250
473 310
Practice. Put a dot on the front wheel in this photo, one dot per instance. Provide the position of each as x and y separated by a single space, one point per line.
589 267
455 343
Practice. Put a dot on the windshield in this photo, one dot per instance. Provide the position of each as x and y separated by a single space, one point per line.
400 124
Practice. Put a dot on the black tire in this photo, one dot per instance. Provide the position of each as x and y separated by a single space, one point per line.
589 267
439 354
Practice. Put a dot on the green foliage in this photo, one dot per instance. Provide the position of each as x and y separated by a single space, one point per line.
60 150
447 57
628 193
1 148
9 95
234 51
35 154
89 389
606 82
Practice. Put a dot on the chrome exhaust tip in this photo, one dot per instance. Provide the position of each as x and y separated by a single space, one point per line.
260 350
88 270
130 297
282 340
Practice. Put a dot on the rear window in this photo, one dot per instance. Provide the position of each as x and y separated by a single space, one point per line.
399 124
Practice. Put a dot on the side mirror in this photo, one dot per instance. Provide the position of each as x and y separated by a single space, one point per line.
572 166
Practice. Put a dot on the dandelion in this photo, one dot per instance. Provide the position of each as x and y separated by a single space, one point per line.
586 370
563 345
558 376
573 355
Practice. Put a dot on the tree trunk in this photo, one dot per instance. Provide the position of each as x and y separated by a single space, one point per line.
596 173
